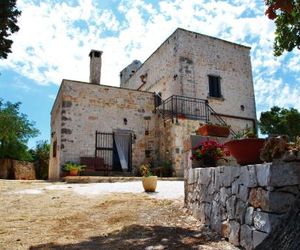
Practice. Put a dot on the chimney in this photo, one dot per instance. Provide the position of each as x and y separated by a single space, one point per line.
95 66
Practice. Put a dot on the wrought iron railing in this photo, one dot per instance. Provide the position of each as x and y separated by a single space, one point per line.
176 107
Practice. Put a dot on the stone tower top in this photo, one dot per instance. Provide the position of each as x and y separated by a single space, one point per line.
127 72
95 66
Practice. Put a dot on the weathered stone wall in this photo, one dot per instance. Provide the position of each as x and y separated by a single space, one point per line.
129 71
158 71
181 65
243 204
23 170
56 122
19 170
87 108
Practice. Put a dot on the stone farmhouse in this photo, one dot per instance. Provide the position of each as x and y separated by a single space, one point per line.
190 78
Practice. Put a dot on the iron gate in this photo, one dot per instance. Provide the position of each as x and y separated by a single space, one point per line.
105 147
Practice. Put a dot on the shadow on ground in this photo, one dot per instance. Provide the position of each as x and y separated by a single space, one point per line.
140 237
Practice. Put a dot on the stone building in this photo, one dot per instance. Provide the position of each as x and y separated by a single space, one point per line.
190 78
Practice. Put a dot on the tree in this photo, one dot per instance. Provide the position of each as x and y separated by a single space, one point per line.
15 130
40 157
8 25
280 121
286 14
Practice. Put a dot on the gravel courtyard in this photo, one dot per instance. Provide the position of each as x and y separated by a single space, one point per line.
44 215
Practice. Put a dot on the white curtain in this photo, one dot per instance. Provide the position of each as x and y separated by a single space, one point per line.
122 142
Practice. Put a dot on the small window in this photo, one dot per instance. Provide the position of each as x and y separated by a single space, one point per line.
157 99
54 149
214 86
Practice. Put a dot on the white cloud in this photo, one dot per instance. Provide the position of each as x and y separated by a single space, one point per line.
51 45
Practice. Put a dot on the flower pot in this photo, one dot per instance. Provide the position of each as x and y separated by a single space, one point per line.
73 172
204 163
209 162
149 183
246 151
213 130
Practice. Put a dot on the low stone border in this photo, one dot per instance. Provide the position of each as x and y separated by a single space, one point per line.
104 179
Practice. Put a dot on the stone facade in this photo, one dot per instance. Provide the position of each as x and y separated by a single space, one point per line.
81 109
180 66
243 204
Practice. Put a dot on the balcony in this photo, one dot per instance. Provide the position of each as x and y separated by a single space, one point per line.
176 107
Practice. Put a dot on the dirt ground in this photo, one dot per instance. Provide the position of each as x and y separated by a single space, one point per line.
61 219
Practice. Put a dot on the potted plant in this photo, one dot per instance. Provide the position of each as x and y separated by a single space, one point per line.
149 180
246 147
209 152
73 168
214 130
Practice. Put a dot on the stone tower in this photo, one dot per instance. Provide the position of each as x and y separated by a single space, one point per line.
95 66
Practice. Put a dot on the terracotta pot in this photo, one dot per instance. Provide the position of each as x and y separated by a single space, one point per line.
73 172
246 151
149 183
213 130
204 163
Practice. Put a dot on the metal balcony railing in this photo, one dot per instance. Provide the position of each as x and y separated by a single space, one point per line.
191 108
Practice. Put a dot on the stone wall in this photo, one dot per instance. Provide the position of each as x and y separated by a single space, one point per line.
181 65
82 109
242 204
19 170
158 71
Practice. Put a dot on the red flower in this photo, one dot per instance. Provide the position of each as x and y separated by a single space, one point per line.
209 149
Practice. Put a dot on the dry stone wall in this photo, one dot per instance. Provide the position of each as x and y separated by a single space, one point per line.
19 170
243 204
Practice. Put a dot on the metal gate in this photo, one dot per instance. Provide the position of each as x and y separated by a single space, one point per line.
105 147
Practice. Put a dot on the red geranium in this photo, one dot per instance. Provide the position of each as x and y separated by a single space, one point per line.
209 149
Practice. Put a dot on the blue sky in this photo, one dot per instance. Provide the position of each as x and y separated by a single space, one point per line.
56 36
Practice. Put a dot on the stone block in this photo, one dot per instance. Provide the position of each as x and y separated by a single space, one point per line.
265 222
192 176
218 179
248 176
224 194
240 211
205 196
225 229
246 237
234 233
277 202
258 198
205 175
285 174
258 237
249 216
230 207
235 187
230 173
263 173
215 219
280 202
243 193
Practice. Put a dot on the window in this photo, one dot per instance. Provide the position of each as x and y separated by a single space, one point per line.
54 149
214 86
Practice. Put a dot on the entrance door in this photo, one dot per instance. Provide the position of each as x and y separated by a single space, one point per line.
115 149
123 144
